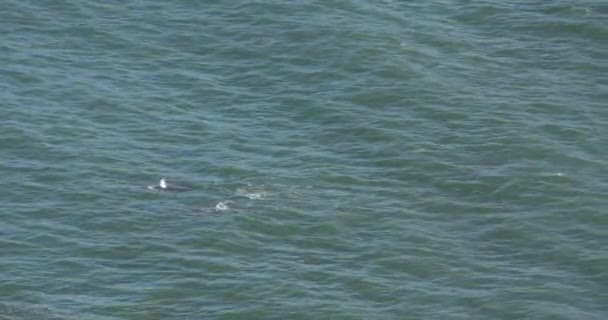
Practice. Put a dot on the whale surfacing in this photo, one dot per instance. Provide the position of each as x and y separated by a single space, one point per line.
164 187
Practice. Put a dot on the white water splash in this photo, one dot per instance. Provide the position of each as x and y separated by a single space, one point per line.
222 206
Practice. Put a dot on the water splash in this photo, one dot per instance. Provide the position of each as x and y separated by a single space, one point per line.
222 206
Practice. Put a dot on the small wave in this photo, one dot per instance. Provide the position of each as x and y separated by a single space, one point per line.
553 174
34 311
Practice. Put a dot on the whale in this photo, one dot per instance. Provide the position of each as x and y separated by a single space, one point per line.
164 187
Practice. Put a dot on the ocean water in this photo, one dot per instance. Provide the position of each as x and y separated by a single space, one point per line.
346 159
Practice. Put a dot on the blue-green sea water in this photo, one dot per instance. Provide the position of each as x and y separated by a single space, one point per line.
442 159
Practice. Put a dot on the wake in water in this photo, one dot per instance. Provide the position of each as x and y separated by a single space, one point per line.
252 193
232 203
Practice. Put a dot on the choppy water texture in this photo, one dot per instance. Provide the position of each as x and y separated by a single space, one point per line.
348 159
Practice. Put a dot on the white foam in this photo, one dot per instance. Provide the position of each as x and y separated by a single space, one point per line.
222 206
251 195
